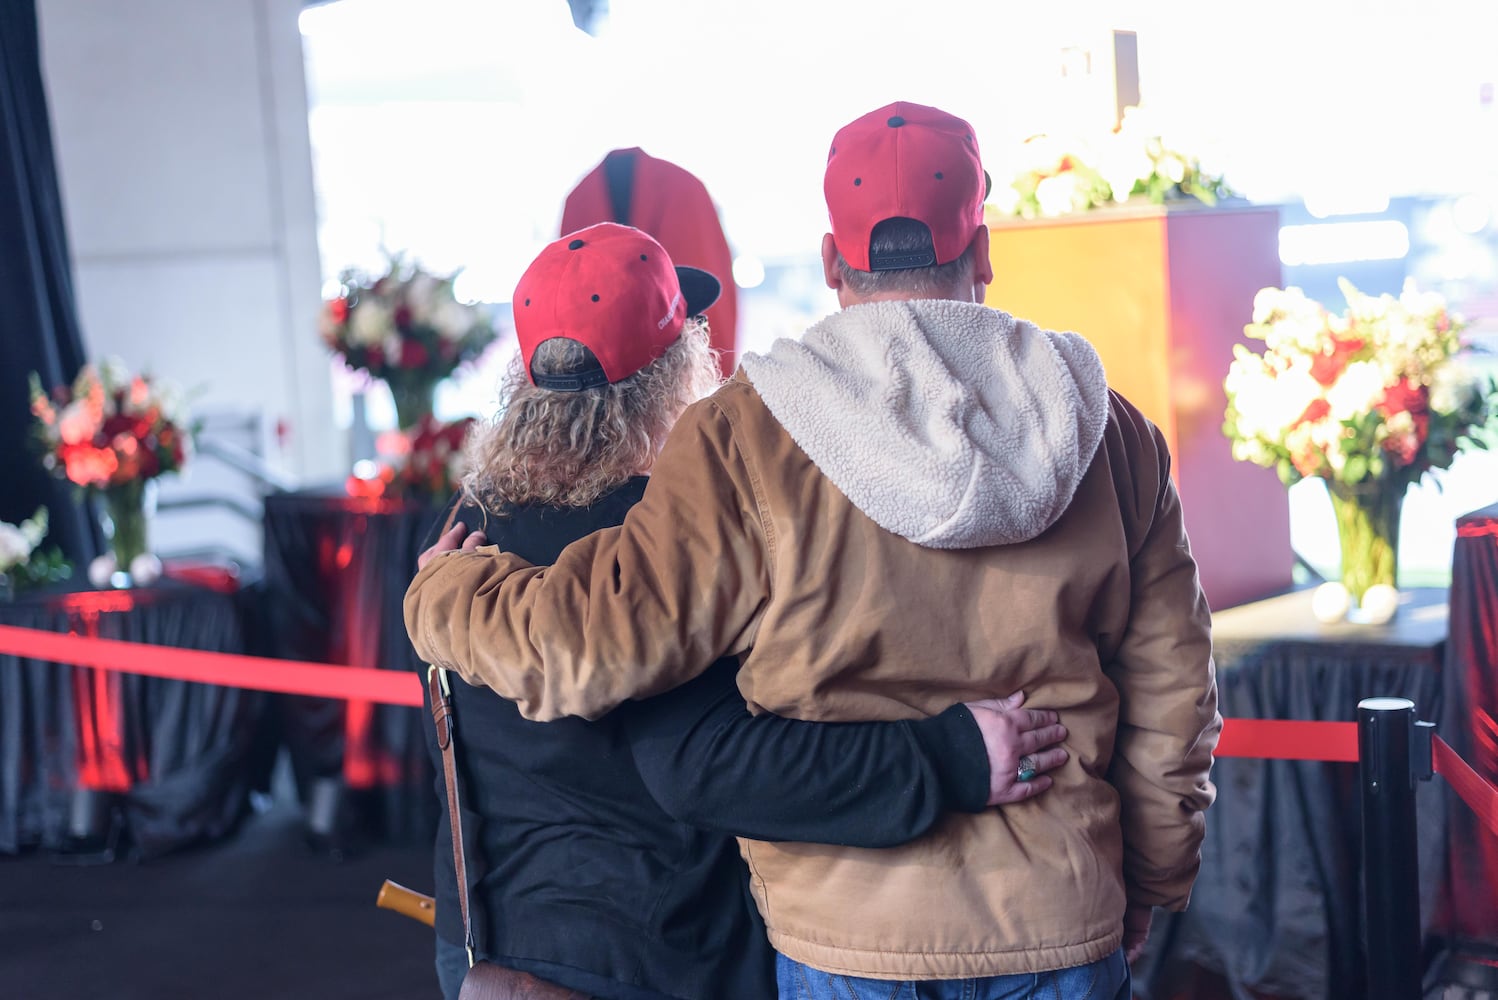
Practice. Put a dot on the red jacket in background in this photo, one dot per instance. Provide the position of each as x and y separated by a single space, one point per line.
633 188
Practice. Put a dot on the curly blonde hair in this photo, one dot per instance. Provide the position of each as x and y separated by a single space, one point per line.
568 449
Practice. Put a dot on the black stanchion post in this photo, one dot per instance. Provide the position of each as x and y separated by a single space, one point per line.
1391 877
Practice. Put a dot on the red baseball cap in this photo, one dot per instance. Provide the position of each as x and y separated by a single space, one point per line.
905 161
614 290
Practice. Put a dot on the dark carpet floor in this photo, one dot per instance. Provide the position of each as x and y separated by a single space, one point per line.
258 915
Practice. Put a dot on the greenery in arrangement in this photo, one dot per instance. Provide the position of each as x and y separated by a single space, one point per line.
23 563
1058 176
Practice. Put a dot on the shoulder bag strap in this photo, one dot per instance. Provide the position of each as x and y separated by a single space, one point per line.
442 718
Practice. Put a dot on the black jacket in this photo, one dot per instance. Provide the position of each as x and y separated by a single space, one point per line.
602 853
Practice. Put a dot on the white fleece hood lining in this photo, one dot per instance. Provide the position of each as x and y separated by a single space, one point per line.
948 423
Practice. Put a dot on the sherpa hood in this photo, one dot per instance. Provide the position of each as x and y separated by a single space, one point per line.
948 423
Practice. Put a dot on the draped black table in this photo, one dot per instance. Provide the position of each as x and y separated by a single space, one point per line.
336 571
173 757
1277 908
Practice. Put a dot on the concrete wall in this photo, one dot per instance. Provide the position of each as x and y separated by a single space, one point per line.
181 135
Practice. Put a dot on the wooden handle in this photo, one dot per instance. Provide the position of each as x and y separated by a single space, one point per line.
407 902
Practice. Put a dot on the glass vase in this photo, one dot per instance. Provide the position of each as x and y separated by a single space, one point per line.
127 512
1368 532
413 399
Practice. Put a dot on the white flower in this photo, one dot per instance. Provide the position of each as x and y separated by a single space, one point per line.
1123 164
453 320
370 323
34 528
1426 305
424 297
77 422
113 373
1057 195
1268 403
15 548
392 348
1455 389
1357 391
1005 199
1172 166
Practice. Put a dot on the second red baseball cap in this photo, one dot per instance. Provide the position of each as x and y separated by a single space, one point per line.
614 290
905 161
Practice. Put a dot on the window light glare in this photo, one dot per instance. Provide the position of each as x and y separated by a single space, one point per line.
1343 242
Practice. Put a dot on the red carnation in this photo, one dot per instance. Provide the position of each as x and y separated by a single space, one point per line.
338 310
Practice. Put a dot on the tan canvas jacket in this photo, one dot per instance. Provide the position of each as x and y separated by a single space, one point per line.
1019 532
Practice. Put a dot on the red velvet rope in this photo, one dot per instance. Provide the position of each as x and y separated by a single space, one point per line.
1480 796
390 687
1278 739
1266 739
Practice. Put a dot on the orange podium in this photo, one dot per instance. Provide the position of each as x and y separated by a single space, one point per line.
1164 294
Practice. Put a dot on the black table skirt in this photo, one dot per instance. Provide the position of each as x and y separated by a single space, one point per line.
175 756
1277 906
336 571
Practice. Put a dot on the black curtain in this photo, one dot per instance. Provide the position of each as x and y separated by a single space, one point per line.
38 319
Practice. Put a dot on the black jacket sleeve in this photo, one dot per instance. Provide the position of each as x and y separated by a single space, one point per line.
710 763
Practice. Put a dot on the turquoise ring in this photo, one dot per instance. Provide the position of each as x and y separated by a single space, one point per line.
1026 768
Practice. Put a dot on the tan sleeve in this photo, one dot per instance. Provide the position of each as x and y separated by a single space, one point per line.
1168 719
624 613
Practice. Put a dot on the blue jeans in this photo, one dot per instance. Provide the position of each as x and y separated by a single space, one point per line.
1107 979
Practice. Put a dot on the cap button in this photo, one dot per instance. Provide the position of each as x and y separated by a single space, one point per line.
575 245
895 121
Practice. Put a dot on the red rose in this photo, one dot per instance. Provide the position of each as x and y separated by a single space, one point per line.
1313 412
413 355
1328 366
402 316
338 310
116 425
89 466
1405 396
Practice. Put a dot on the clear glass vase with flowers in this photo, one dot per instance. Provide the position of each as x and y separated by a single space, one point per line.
406 328
113 434
1368 400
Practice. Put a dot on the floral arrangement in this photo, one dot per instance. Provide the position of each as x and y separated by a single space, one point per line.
111 428
421 464
403 324
1367 400
1372 393
1061 176
22 563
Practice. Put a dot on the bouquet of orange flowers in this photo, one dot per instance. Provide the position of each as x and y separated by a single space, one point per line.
111 428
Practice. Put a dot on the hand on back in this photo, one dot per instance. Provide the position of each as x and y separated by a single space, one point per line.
1020 741
451 540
